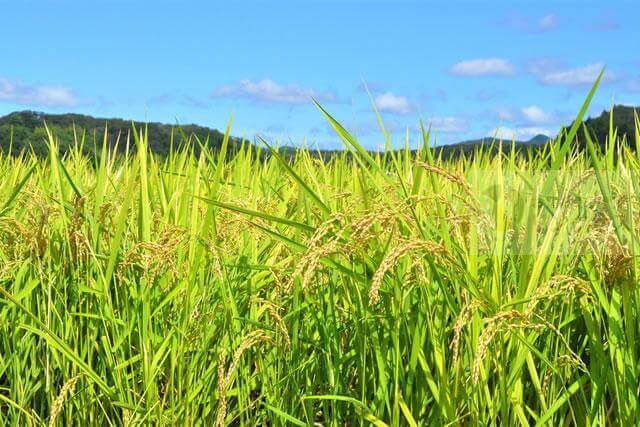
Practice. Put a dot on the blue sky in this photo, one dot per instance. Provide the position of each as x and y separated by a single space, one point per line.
465 67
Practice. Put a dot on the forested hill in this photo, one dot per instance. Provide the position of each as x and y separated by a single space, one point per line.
623 119
26 129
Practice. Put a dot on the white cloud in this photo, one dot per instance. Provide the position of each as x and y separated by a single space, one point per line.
267 90
548 22
392 103
521 133
481 67
537 115
36 95
583 76
447 124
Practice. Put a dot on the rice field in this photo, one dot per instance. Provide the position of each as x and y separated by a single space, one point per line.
391 288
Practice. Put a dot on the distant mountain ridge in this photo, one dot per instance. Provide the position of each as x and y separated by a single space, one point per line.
536 140
468 147
26 130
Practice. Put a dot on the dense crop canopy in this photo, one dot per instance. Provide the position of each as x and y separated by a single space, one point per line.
387 288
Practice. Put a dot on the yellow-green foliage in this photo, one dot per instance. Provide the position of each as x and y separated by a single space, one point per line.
390 289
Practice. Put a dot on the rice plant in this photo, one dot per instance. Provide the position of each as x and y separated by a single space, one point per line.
391 288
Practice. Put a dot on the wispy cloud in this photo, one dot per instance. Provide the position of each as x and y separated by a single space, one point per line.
540 66
269 91
483 67
553 72
506 114
184 100
633 85
581 76
389 102
524 117
532 24
484 95
449 124
191 101
520 133
276 128
548 22
606 24
439 95
36 95
162 99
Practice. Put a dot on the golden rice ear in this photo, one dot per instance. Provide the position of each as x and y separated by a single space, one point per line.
317 248
391 259
559 287
465 315
58 404
222 389
225 377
